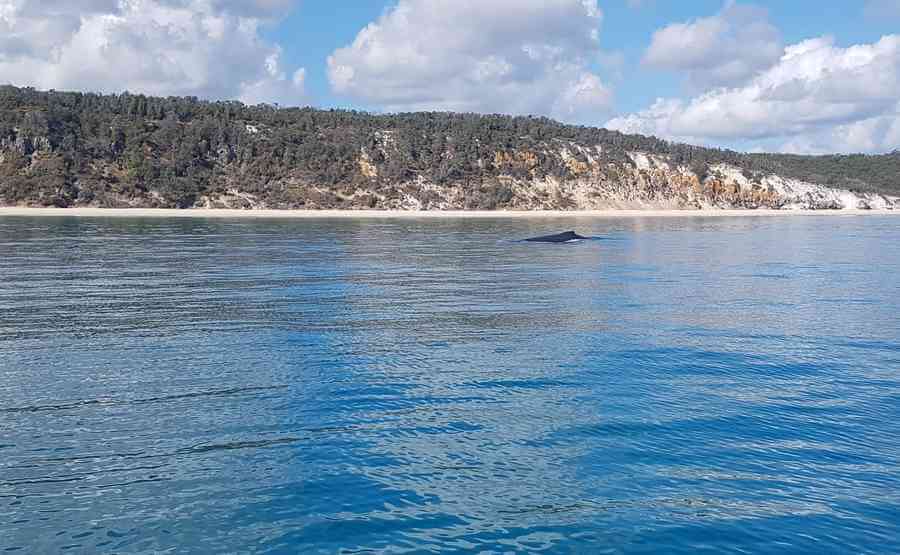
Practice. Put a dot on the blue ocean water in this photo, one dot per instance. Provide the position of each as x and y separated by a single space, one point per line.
687 385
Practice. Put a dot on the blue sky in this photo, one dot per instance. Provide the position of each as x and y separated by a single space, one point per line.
800 76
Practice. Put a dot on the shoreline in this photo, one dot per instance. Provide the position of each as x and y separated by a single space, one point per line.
382 214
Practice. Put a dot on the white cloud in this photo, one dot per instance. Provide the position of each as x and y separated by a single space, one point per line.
512 56
725 49
818 97
207 48
878 134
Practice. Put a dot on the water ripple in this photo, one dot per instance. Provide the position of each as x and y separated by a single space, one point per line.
162 399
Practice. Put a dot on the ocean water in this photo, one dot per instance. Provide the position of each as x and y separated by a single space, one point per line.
686 385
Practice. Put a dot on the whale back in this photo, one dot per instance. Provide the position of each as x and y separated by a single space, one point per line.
556 238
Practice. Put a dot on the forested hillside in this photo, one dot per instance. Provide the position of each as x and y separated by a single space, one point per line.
68 149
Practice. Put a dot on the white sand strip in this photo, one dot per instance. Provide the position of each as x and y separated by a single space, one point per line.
225 213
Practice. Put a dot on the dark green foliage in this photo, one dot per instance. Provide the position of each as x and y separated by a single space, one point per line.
68 149
857 172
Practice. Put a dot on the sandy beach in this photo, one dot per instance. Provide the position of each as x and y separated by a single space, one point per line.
224 213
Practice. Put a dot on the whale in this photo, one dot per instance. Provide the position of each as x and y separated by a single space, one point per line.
564 237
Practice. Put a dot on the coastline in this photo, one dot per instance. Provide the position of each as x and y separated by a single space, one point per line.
85 212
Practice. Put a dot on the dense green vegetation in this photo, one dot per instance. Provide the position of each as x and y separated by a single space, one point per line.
64 149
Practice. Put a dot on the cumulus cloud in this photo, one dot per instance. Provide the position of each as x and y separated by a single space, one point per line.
724 49
207 48
818 97
512 56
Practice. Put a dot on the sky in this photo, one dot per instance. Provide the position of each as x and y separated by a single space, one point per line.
802 76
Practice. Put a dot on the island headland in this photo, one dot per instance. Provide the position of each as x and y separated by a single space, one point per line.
76 150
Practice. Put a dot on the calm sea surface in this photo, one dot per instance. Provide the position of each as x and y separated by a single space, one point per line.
687 385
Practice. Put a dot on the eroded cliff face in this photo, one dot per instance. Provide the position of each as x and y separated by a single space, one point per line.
586 181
